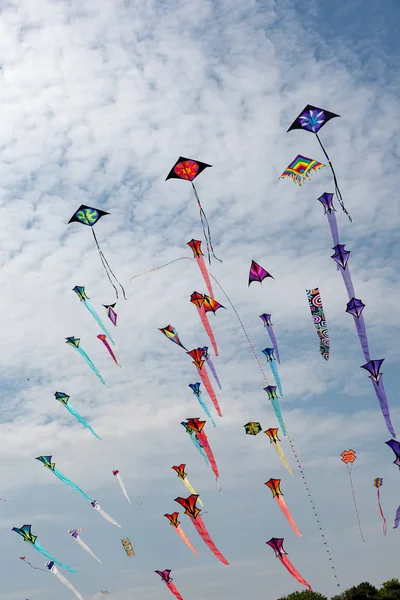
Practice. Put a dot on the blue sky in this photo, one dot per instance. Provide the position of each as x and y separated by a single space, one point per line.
97 103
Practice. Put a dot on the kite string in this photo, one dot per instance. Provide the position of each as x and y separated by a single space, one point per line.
161 266
288 436
335 181
349 469
108 269
206 227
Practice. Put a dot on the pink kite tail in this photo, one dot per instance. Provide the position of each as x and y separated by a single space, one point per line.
205 536
103 338
382 515
286 562
202 438
204 272
207 384
207 327
183 536
286 512
174 591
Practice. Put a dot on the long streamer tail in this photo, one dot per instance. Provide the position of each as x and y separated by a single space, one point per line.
197 445
286 562
97 318
123 488
206 227
207 449
274 370
81 420
384 527
91 364
204 272
282 456
103 339
184 537
397 518
107 516
205 408
205 536
65 581
337 190
207 327
383 402
87 549
277 409
108 269
354 501
288 516
274 342
43 551
214 372
192 490
207 384
71 484
174 590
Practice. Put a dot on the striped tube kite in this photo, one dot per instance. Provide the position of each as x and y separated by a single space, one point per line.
272 433
318 316
277 545
167 579
198 300
258 273
51 466
81 293
75 534
195 245
378 482
104 340
53 569
189 504
180 471
301 169
121 484
266 319
64 400
209 362
272 395
198 361
26 533
75 343
355 307
195 387
275 487
348 457
111 314
269 354
197 426
174 522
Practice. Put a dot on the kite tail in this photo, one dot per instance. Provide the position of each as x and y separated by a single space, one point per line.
199 447
31 565
107 516
282 456
207 384
207 327
382 515
354 501
397 518
207 449
184 537
173 589
91 364
348 282
97 318
337 190
65 581
110 350
192 490
87 549
206 409
286 563
205 536
334 230
108 269
214 372
206 227
43 551
70 483
381 395
277 409
362 335
162 266
204 272
274 369
81 420
274 342
123 488
288 516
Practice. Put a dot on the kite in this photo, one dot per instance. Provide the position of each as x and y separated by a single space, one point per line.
312 119
30 564
252 428
75 534
165 576
81 293
25 532
198 361
266 319
273 396
126 542
195 387
270 356
53 569
121 484
180 471
378 482
355 307
75 343
274 486
188 169
318 315
189 504
197 426
272 433
257 273
111 314
277 545
195 245
46 460
397 518
171 333
103 339
173 520
207 358
395 446
86 215
64 399
348 457
198 300
195 441
103 513
301 169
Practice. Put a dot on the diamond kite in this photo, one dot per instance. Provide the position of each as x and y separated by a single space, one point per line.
258 273
301 168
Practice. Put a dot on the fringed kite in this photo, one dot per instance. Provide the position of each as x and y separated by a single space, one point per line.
103 513
209 362
277 545
275 487
301 169
348 457
111 314
174 522
196 443
198 426
318 315
104 340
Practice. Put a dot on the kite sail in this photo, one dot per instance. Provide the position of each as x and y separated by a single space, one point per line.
25 532
103 513
197 426
275 487
46 460
126 542
277 545
173 520
23 558
395 446
75 534
86 215
318 315
252 428
269 354
81 293
272 433
207 358
198 361
195 245
165 576
121 484
301 169
75 343
172 334
111 314
103 339
312 119
257 273
397 518
64 399
348 457
189 504
188 169
196 443
266 319
378 482
273 396
53 569
180 471
198 300
195 387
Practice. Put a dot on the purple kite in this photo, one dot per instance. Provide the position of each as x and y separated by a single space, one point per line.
266 319
277 545
207 357
395 446
257 273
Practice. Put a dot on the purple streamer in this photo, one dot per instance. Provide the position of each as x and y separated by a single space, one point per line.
382 398
266 319
397 518
213 371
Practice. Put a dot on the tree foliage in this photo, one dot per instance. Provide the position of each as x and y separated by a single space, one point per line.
389 590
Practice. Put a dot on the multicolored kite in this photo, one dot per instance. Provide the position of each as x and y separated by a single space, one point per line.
196 443
173 521
121 484
25 532
198 300
189 504
301 168
104 340
75 534
273 396
197 426
180 471
46 461
64 399
266 319
378 482
318 315
86 215
348 457
165 576
272 433
198 361
277 545
209 362
195 387
269 354
395 446
274 486
252 428
75 343
257 273
126 543
111 314
312 119
103 513
171 333
195 245
53 569
81 293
